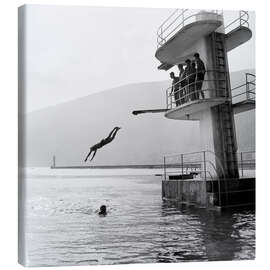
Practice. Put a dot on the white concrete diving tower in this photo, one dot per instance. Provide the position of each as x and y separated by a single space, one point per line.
208 100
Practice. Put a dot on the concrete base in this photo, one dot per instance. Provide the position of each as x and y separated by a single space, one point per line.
212 194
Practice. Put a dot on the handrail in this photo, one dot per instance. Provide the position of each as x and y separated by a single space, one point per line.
160 30
183 11
198 153
173 22
195 73
191 90
178 96
203 171
241 19
240 94
200 160
251 74
247 90
164 33
242 161
168 18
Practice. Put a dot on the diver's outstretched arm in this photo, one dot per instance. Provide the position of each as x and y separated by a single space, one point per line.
111 132
88 156
93 155
114 134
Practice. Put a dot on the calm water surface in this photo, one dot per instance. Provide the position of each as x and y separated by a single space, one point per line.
63 227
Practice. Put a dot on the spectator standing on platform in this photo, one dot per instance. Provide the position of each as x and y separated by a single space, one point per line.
182 83
200 73
190 75
175 88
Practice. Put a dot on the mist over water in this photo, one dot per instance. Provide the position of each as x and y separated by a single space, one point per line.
63 227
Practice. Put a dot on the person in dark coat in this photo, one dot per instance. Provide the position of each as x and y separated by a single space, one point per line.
190 75
182 83
175 88
200 73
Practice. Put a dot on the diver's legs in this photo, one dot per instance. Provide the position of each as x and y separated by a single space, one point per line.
88 155
93 155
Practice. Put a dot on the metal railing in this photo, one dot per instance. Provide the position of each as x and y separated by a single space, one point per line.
178 19
201 164
245 91
247 163
190 88
194 162
182 17
198 163
241 20
193 89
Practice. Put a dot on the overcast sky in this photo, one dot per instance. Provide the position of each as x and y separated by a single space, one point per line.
76 51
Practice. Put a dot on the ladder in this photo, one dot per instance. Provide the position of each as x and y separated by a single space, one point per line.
224 112
219 64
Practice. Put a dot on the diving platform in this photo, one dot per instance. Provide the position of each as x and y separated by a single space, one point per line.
237 37
191 110
176 44
244 106
178 35
165 54
184 40
187 103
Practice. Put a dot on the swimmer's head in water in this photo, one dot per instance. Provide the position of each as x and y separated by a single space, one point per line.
103 210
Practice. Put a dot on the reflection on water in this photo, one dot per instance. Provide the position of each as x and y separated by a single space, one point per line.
63 228
212 235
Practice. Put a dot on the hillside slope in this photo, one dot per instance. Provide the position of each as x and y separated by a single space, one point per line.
69 129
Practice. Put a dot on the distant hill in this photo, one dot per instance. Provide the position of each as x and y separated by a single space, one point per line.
69 129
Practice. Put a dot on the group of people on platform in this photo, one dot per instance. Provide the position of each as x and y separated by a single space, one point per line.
188 86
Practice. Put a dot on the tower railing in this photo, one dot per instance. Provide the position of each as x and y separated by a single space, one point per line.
245 91
177 20
182 17
202 165
247 163
241 20
194 163
190 88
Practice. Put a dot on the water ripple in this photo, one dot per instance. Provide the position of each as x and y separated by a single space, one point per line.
63 227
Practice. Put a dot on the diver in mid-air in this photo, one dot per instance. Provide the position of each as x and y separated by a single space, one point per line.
103 142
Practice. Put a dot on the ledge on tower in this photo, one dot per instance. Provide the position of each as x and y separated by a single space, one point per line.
237 37
173 44
244 106
191 110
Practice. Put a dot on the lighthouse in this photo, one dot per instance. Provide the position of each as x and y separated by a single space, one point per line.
209 101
